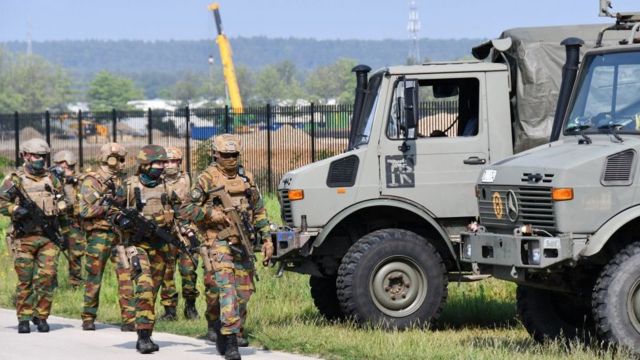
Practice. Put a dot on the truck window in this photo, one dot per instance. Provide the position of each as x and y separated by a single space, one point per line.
447 108
608 94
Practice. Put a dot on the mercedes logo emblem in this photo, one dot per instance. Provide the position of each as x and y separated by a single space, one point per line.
512 206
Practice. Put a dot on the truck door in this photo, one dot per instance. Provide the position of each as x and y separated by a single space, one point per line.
436 165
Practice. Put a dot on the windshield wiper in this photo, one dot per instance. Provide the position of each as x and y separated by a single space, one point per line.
613 131
585 139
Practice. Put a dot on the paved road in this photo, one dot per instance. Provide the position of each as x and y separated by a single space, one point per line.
67 341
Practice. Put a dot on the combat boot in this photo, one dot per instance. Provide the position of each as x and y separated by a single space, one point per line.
155 346
190 311
232 352
169 313
242 341
24 327
43 326
128 327
213 327
221 342
144 345
88 325
35 320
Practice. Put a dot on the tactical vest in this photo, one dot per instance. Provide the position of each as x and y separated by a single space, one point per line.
100 223
35 187
181 186
151 197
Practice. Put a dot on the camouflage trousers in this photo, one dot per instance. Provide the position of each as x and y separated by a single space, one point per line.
228 288
187 269
99 249
77 243
153 262
35 264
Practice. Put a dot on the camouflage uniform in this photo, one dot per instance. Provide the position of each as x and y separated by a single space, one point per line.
230 285
180 183
34 254
75 237
152 252
101 239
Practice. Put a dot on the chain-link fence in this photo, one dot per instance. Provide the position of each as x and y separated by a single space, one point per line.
275 139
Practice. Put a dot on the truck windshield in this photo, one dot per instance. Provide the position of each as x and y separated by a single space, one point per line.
364 124
608 95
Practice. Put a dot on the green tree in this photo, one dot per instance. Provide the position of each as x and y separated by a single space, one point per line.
278 82
108 91
189 88
29 83
332 81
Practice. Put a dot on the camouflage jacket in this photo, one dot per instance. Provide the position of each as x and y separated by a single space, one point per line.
242 190
94 214
34 187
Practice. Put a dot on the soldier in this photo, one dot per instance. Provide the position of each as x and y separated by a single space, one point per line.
64 170
180 183
101 239
229 275
35 254
145 192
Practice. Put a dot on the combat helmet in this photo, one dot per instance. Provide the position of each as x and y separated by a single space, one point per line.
35 146
112 149
65 155
151 153
174 153
226 143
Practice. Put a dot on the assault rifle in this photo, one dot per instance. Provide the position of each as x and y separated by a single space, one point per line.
187 242
37 218
240 226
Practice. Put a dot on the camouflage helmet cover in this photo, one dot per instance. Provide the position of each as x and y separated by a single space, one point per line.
226 143
65 155
151 153
35 146
174 153
111 149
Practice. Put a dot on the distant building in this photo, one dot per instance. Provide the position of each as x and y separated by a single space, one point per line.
156 104
79 106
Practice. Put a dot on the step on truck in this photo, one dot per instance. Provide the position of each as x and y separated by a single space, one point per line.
562 220
377 227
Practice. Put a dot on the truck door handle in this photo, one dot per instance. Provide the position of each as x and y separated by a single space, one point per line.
474 160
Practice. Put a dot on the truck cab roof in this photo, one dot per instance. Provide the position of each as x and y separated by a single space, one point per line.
446 67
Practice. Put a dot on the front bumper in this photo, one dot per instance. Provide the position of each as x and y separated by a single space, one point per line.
291 243
517 250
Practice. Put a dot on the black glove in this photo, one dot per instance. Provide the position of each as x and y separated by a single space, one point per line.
121 221
19 213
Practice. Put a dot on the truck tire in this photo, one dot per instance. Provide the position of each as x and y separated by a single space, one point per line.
323 292
394 278
550 315
616 299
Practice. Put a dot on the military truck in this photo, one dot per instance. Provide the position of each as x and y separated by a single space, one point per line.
377 227
562 220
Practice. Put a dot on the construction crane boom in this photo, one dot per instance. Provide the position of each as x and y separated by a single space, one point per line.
230 80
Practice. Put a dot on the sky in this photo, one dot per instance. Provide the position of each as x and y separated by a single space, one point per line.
320 19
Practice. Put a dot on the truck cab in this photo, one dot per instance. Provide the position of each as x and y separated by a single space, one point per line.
561 220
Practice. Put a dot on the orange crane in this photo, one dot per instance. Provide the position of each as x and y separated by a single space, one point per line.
230 80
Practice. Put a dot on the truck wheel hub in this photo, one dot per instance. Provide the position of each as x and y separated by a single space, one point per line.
398 286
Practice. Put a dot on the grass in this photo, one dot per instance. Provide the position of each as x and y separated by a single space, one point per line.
478 321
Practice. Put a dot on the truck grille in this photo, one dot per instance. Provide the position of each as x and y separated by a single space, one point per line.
285 207
532 205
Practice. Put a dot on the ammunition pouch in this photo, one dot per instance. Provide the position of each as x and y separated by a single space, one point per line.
230 234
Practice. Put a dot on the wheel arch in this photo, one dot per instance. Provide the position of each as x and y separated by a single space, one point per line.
614 233
405 215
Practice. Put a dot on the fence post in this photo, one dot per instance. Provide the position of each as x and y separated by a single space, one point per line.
269 183
313 134
47 132
150 126
226 119
187 140
16 124
114 125
80 152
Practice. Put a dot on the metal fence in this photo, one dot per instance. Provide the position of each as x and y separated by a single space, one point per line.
275 139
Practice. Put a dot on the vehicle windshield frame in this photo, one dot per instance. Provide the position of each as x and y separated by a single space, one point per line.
576 122
364 125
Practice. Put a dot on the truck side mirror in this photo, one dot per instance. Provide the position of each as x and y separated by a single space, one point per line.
410 108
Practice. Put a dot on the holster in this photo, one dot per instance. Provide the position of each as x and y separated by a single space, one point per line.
205 252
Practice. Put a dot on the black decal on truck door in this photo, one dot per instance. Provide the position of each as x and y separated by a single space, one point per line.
399 171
